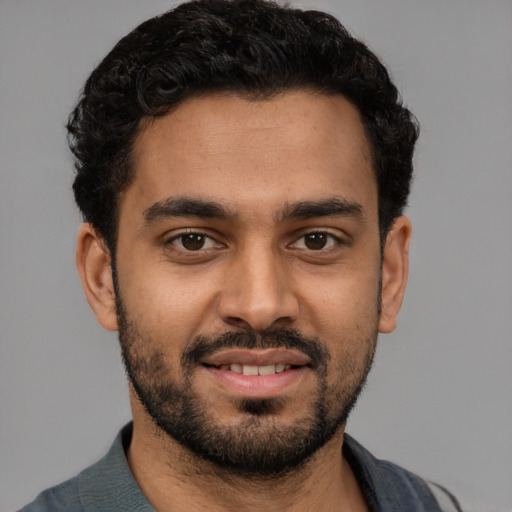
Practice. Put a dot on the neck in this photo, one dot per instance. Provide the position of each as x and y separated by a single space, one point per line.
172 478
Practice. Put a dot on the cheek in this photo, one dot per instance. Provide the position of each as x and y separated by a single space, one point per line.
343 303
165 302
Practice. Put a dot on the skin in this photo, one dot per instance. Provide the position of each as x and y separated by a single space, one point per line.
256 272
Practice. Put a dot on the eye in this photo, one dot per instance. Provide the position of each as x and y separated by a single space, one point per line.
193 241
316 241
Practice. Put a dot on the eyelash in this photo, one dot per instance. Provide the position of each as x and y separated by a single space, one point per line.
331 241
181 236
323 236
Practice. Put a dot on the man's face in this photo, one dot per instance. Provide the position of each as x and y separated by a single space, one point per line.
249 242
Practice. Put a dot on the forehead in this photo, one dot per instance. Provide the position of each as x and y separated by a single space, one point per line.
254 152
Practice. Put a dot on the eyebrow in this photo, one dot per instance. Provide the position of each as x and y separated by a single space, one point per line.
192 207
186 207
335 206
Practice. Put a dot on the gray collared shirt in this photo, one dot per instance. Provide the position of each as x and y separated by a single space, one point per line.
109 485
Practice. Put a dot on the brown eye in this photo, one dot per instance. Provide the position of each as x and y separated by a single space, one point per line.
316 241
192 241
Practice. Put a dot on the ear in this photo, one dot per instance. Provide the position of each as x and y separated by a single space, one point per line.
395 269
93 264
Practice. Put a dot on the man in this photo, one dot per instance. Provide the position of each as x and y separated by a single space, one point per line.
242 169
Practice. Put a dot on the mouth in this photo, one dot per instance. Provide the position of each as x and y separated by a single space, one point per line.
257 362
257 373
249 369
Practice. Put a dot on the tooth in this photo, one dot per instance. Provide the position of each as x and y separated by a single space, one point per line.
235 367
280 368
267 370
287 366
250 370
224 366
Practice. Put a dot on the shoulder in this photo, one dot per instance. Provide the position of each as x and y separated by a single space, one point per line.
388 486
447 501
423 489
64 496
106 485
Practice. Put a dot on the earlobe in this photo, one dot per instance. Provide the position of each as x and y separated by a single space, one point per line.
395 270
93 264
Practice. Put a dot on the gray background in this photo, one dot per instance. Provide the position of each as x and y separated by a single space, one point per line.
439 400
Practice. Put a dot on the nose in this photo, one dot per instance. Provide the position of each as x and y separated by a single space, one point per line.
258 291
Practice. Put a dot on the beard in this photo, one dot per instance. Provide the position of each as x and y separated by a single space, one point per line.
259 443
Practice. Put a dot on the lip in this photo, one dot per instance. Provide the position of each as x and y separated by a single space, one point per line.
257 386
258 357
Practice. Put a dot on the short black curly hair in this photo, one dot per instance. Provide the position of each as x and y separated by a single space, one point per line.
253 48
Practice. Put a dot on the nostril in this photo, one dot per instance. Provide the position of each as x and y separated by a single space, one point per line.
259 324
238 322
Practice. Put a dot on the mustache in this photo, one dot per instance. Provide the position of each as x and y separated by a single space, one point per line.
206 345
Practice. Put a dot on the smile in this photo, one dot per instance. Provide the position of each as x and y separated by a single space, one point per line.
249 369
257 373
257 361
